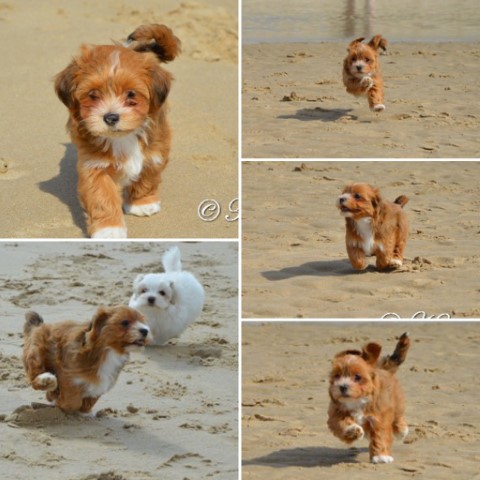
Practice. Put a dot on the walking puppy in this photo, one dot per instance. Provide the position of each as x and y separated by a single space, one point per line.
76 363
373 226
361 71
116 100
366 398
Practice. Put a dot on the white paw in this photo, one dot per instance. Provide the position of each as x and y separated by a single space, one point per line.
142 210
47 380
396 262
382 459
110 232
380 107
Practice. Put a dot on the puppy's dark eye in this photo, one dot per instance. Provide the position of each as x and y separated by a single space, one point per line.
162 293
125 323
357 196
93 95
131 97
367 60
143 290
357 377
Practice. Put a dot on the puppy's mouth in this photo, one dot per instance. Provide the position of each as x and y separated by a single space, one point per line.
141 342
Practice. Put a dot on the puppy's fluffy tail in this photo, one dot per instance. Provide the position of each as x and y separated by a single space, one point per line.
402 200
171 260
393 361
158 39
32 320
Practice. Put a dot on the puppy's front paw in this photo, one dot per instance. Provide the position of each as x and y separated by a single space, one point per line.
380 107
142 210
110 232
354 432
367 82
45 381
382 459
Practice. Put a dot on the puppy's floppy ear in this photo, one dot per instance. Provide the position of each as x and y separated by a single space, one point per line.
65 84
357 40
378 42
376 198
137 281
161 81
158 39
99 320
371 352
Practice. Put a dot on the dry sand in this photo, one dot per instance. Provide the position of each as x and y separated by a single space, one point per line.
295 104
37 160
285 402
294 258
174 410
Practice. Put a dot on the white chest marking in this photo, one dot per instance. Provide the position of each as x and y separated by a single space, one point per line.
107 374
364 229
129 154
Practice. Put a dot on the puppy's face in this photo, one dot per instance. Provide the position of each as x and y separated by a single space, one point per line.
119 328
110 90
153 290
362 59
352 379
358 200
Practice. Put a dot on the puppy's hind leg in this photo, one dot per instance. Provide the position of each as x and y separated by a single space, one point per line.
34 355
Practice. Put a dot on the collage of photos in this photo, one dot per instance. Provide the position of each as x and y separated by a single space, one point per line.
239 240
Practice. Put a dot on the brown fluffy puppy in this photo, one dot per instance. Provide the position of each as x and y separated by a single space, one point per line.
374 226
116 100
361 71
366 398
76 363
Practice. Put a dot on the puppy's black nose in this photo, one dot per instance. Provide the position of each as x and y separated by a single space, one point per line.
151 300
144 331
342 200
343 389
359 68
111 118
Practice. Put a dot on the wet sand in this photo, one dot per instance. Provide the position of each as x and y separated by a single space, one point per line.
172 407
285 401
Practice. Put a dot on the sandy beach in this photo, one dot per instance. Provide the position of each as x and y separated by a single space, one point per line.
37 159
174 410
294 258
285 401
294 103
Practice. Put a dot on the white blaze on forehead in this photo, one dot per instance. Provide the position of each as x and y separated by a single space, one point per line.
114 61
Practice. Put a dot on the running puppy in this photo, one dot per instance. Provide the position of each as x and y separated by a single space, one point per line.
361 71
366 398
76 363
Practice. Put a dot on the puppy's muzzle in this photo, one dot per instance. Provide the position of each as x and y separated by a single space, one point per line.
111 119
151 300
343 389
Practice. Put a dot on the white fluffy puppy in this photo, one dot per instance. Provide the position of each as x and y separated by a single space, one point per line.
169 301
